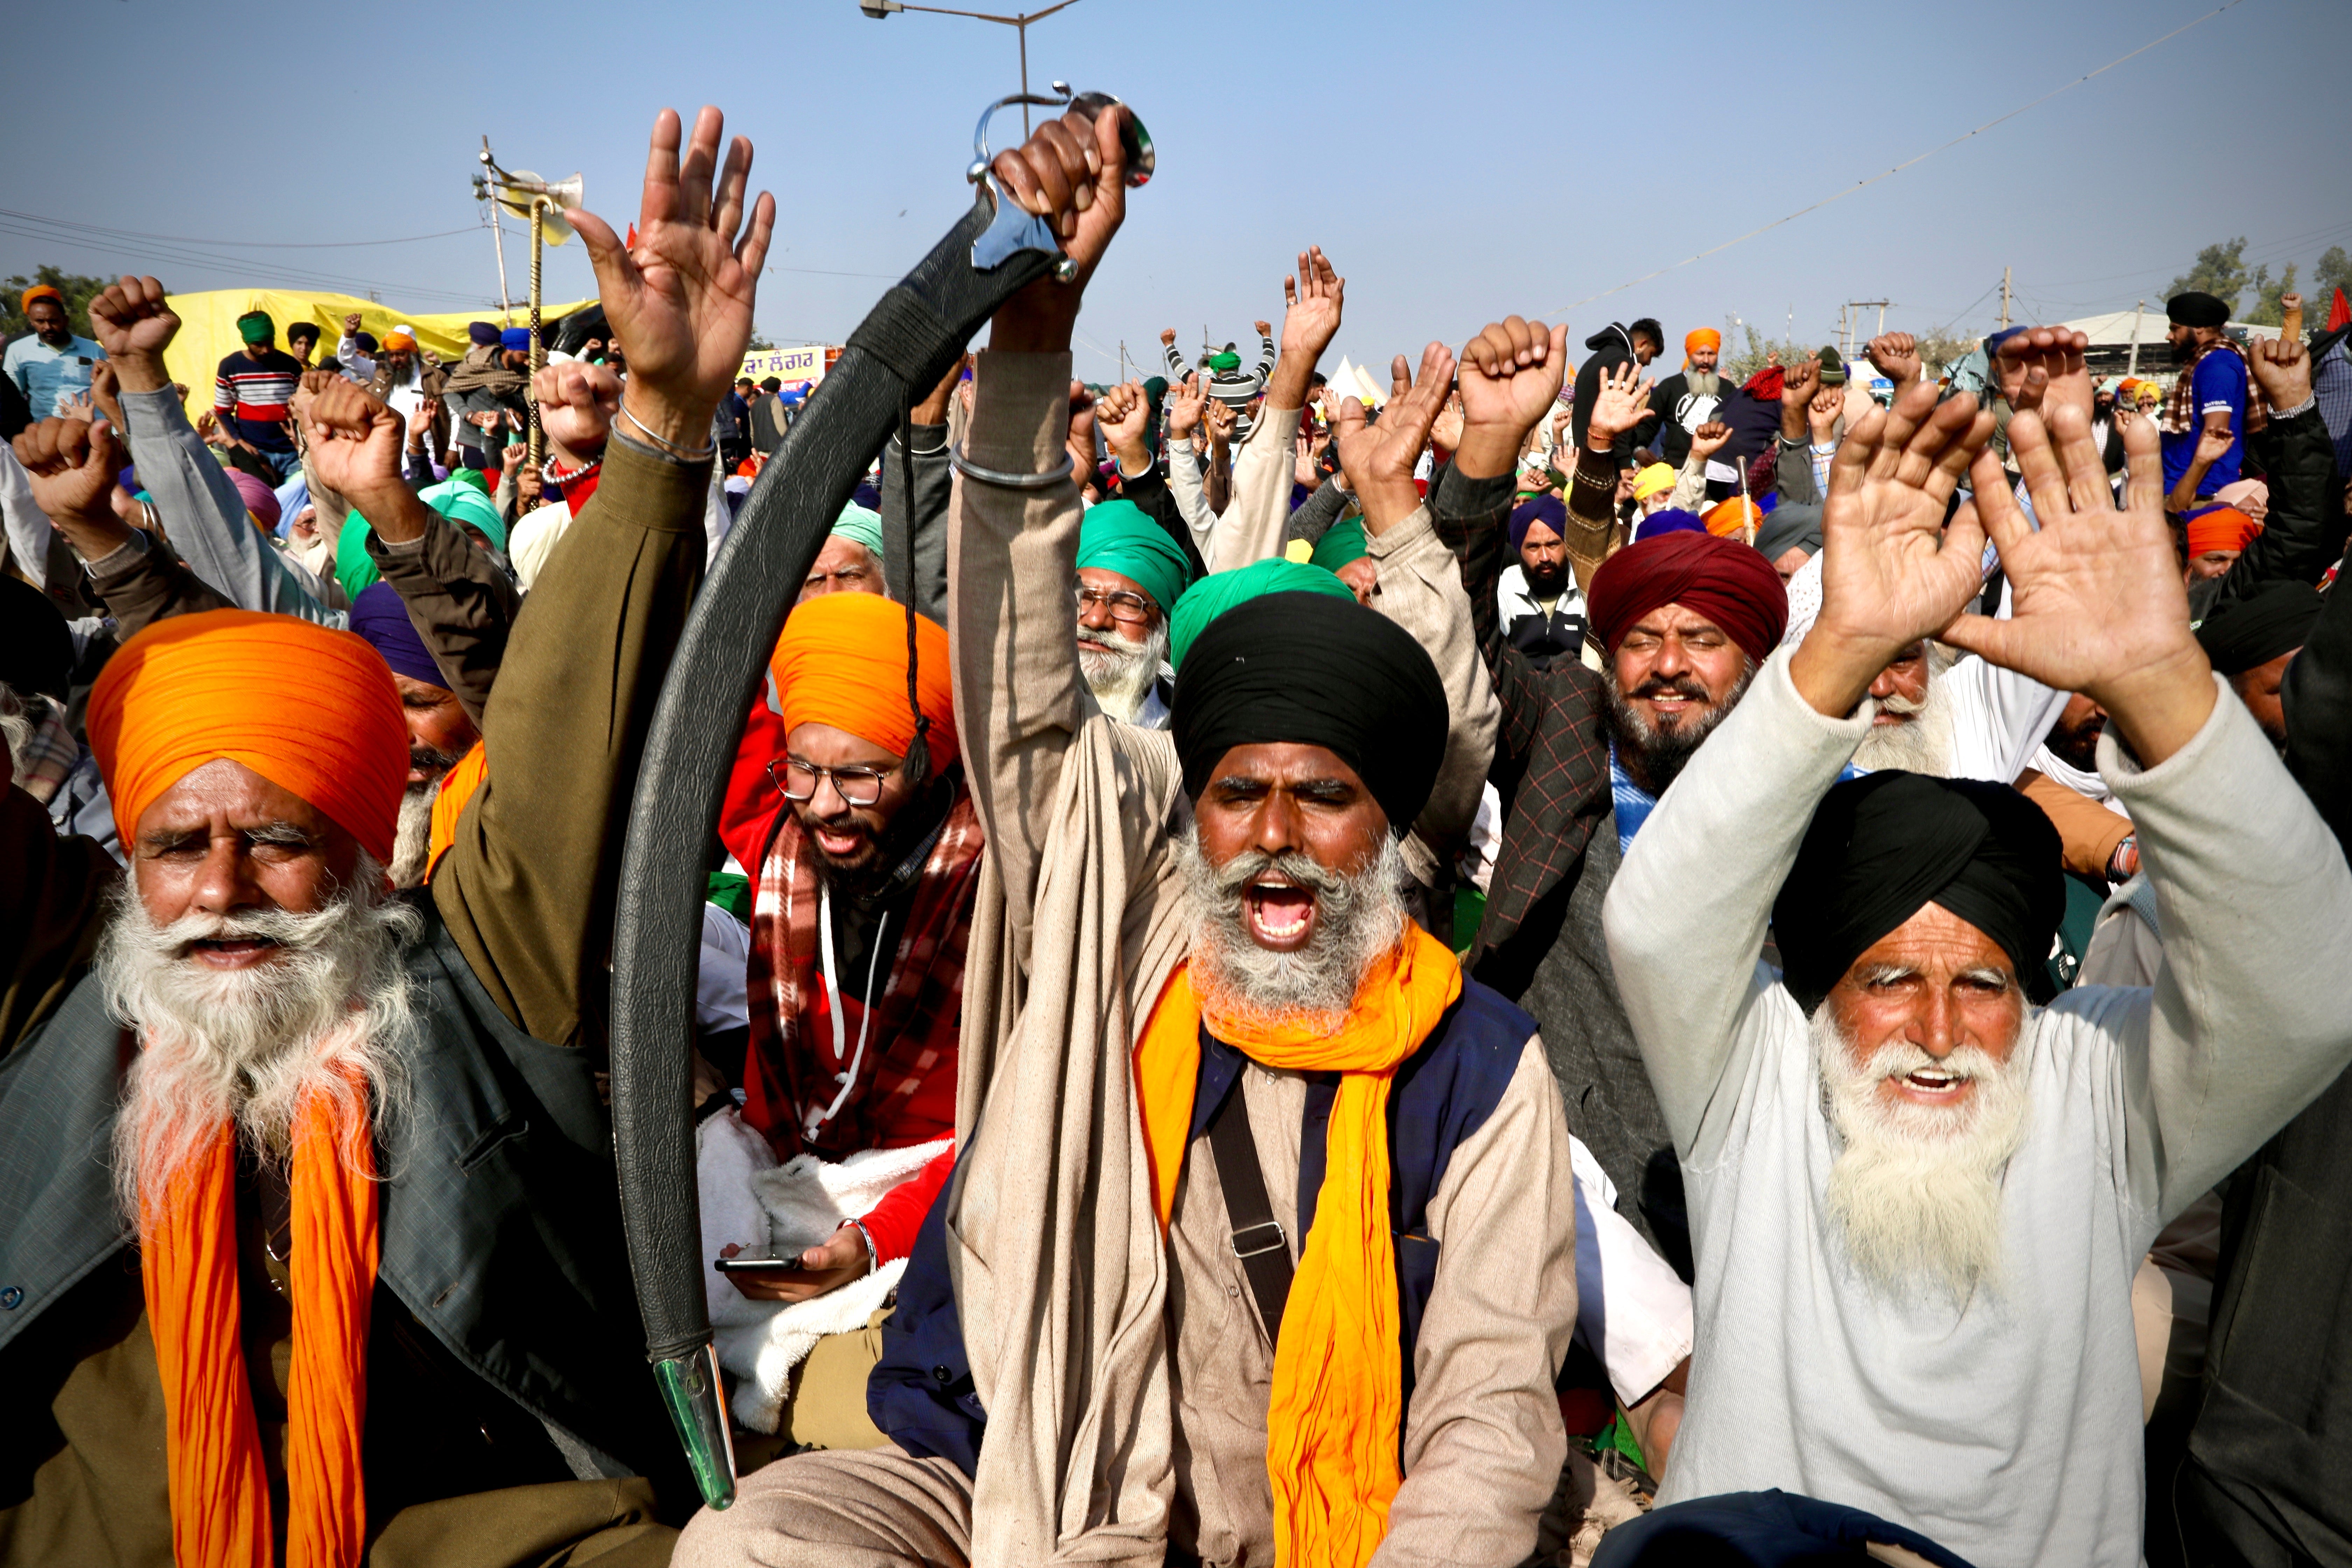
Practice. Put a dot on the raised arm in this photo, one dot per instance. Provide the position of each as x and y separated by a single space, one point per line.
527 887
915 529
2303 534
202 514
1251 527
69 471
1013 548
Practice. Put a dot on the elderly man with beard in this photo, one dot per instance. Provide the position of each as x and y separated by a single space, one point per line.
1261 1245
308 1224
1131 574
1917 1200
1683 620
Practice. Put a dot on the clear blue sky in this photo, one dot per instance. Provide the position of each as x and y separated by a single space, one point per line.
1456 161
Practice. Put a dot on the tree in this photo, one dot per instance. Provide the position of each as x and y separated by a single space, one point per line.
1737 366
2334 272
79 290
2267 311
2218 271
758 342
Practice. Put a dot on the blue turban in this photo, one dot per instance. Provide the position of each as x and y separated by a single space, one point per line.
381 616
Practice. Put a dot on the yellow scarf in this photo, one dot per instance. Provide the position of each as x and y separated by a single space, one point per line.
1339 1394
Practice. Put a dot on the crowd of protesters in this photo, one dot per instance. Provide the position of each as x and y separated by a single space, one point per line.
1584 965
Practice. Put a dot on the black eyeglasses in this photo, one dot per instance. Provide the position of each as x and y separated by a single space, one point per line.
1133 609
857 786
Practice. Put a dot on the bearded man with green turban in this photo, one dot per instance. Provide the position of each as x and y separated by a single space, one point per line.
1131 574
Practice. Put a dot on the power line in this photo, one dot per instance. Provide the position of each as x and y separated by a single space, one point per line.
1841 195
244 244
177 256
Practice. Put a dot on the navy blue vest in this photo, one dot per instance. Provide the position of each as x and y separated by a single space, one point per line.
921 1391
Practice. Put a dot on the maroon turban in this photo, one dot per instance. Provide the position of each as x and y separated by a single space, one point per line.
1728 583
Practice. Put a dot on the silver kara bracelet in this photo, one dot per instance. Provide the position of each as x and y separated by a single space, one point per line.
970 469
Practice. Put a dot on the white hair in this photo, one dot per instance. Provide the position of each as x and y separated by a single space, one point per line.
333 1011
17 726
1923 743
412 843
1914 1191
1359 915
1120 674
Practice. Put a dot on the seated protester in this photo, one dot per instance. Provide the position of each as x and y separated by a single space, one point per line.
1541 608
1209 1030
1683 620
850 561
1918 1199
864 872
440 729
1130 574
450 1353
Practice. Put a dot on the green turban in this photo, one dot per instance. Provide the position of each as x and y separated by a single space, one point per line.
256 326
1224 363
474 477
462 503
1117 536
862 524
453 498
1219 591
1340 544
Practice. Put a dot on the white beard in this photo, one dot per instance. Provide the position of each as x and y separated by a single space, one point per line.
1121 677
1922 745
16 727
1914 1191
412 842
1358 918
249 1045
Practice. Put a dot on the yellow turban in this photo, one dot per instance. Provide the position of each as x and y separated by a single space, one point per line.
1650 480
194 688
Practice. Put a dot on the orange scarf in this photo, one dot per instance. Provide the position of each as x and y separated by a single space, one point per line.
220 1486
1339 1393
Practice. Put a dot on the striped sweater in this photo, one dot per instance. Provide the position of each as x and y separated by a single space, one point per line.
1235 388
250 395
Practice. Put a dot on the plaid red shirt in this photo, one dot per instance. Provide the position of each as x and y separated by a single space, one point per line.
1551 755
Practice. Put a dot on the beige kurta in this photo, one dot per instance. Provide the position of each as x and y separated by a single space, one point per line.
1062 1278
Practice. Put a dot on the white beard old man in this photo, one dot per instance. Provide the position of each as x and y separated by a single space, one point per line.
1917 1200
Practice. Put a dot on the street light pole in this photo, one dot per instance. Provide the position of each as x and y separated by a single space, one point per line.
879 9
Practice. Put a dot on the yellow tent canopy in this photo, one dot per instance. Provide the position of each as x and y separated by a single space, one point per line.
209 328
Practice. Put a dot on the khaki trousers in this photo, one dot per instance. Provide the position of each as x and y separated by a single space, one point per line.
870 1507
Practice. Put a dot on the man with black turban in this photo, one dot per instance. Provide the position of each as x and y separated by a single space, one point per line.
2251 642
2212 393
1220 1095
1917 1198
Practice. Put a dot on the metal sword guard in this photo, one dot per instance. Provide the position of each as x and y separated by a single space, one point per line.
1016 229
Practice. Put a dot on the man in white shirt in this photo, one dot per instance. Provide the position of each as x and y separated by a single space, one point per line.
1917 1202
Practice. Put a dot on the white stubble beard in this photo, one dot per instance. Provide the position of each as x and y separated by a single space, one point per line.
1121 676
1914 1191
249 1045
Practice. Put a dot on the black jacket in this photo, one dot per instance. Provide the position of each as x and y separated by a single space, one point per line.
1674 440
1611 347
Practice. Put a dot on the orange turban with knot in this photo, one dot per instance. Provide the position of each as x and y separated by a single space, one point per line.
395 342
2219 528
1701 338
194 688
1728 516
843 662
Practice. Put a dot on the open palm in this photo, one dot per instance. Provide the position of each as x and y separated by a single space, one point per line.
1378 459
2095 593
681 302
1316 295
1891 572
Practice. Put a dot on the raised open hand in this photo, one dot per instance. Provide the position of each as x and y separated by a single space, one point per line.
1622 402
1891 572
2213 446
1380 458
1709 439
577 402
1184 402
2057 353
2282 366
1446 433
134 325
681 302
1510 376
354 442
1896 357
2096 604
1315 295
1072 172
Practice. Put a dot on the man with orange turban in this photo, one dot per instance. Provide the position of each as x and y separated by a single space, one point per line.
311 1250
2215 537
1688 398
849 807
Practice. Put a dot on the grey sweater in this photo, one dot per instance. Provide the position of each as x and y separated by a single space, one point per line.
2008 1430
